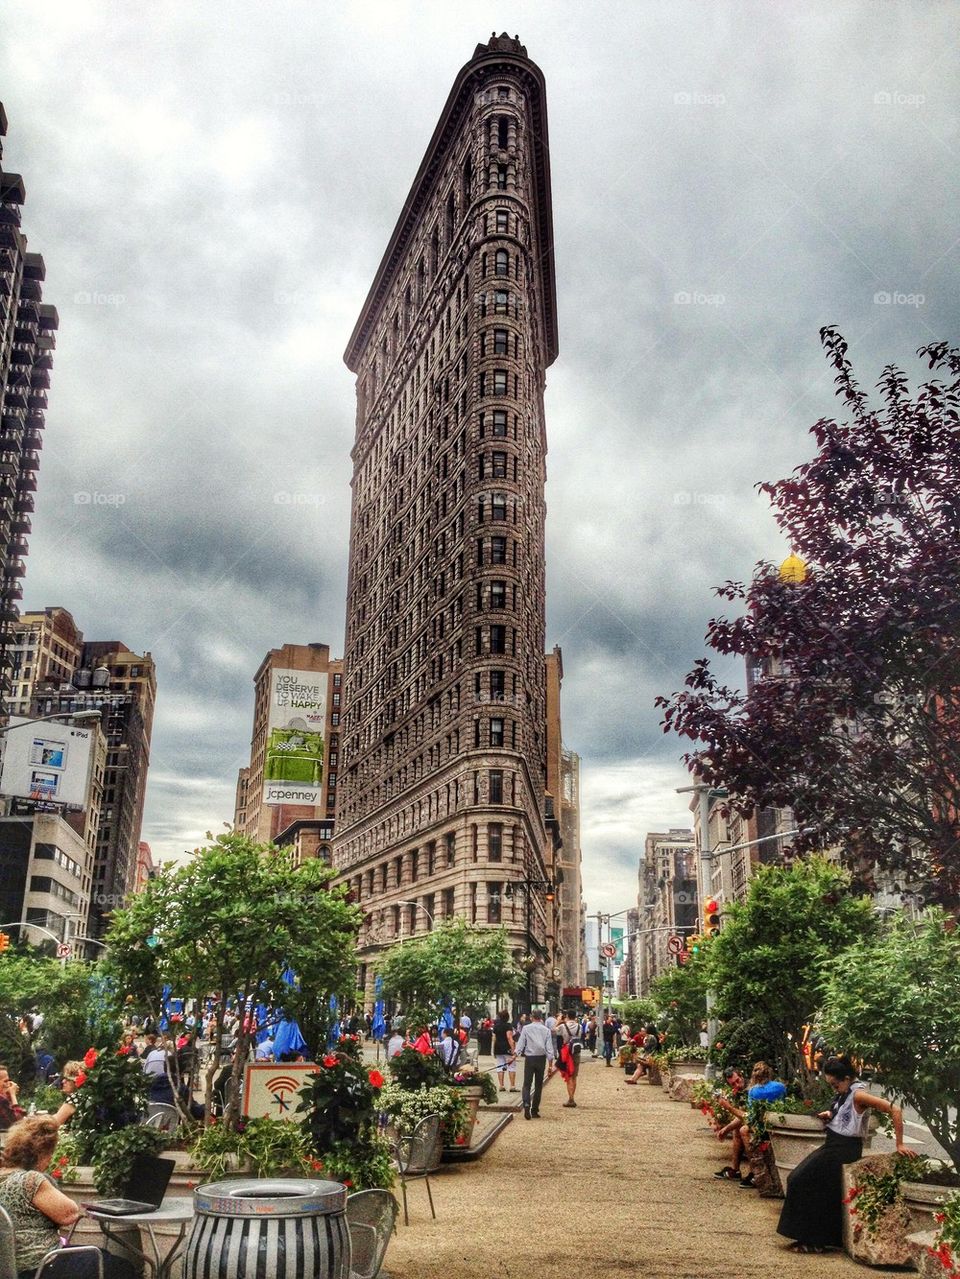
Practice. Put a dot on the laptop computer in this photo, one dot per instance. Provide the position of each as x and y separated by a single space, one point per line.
144 1191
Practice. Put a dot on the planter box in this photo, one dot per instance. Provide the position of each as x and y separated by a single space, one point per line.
473 1095
793 1137
185 1178
929 1267
887 1244
654 1076
922 1202
766 1178
682 1086
698 1068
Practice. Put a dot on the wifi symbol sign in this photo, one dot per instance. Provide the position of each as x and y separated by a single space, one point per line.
281 1088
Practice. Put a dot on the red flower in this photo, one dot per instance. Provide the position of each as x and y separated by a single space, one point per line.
90 1058
808 1103
316 1165
123 1050
347 1181
461 1141
376 1079
80 1079
329 1060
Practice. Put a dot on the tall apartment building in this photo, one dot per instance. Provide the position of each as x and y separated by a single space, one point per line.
667 901
55 672
442 804
27 338
288 792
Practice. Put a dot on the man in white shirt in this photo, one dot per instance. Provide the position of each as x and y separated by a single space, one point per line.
535 1046
394 1044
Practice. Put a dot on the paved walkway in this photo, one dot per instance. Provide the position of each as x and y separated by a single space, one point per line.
621 1186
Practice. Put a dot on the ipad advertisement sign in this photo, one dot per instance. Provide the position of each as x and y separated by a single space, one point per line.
46 762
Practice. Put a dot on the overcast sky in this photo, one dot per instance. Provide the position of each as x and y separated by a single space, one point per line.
212 186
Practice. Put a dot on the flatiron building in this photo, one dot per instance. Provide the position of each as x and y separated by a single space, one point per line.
441 806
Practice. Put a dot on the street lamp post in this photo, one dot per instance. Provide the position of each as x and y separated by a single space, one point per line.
417 906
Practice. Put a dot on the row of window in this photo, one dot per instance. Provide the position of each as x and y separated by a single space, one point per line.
44 884
50 852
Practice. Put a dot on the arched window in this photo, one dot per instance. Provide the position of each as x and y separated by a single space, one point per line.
467 181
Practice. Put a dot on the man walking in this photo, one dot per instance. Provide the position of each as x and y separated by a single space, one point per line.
535 1046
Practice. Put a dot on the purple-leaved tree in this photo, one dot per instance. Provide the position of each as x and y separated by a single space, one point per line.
855 720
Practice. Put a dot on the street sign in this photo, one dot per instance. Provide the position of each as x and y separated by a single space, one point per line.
63 950
608 950
683 957
675 944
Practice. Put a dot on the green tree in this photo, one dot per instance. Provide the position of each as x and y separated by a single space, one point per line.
76 1005
637 1013
468 966
232 923
680 997
768 965
893 1000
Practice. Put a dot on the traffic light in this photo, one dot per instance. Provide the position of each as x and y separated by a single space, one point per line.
711 917
693 944
4 942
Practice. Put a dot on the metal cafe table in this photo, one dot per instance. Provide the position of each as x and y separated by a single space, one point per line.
171 1212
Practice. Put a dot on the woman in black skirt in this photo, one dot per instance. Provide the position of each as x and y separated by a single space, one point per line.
813 1213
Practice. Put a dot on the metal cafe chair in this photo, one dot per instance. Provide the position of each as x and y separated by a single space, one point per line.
162 1116
8 1252
414 1156
371 1218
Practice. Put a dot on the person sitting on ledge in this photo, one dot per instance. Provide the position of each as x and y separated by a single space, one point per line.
812 1214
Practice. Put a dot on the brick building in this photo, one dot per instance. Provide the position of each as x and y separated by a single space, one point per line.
442 806
305 822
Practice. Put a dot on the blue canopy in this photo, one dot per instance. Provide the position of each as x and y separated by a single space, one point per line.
288 1039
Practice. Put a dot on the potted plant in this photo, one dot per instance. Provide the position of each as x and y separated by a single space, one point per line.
405 1108
341 1104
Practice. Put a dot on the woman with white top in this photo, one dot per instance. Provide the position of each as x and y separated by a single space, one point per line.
813 1213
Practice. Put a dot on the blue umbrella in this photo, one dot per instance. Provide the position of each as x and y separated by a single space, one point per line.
378 1026
288 1039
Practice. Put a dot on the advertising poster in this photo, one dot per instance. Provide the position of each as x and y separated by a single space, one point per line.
293 765
46 762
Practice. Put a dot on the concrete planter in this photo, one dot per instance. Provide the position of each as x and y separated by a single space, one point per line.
922 1202
766 1178
654 1076
697 1068
887 1244
682 1086
473 1095
186 1177
792 1137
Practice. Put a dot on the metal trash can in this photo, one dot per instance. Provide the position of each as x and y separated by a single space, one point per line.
279 1228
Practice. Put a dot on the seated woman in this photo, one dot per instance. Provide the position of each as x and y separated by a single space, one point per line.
40 1212
813 1212
762 1087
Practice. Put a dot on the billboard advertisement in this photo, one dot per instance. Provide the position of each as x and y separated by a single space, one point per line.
293 762
46 762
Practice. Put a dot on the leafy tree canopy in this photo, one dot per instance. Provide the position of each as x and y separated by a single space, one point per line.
467 966
769 963
854 721
231 923
680 995
893 1000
